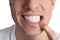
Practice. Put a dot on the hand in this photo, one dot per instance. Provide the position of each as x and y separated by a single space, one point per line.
50 33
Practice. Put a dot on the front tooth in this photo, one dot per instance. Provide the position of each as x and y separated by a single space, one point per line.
32 18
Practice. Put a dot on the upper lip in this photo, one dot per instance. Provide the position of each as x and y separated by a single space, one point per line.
32 14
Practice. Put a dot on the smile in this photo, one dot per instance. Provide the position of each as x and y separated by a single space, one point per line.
32 19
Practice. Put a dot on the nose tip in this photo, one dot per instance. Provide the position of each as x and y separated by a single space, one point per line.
31 4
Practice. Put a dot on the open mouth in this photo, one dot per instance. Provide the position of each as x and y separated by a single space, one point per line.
33 19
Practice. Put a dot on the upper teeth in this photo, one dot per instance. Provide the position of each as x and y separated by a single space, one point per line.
32 18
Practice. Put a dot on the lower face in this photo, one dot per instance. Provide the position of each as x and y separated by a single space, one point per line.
29 17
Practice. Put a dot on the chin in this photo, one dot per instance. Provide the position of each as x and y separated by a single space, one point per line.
32 31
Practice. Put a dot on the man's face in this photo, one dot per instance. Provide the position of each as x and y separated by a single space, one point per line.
28 14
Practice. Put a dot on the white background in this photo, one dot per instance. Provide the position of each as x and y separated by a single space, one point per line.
6 19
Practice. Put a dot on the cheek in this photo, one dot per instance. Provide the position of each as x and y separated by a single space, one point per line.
47 17
17 8
48 13
48 9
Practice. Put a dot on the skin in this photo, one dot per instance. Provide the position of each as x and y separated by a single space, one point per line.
26 31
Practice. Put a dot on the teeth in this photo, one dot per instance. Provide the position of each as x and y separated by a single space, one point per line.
32 18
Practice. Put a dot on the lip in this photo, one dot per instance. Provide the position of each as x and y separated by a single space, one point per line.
31 14
26 22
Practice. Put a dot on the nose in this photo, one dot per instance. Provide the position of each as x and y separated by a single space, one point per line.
32 5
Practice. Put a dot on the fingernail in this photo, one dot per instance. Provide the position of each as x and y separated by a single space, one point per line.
43 25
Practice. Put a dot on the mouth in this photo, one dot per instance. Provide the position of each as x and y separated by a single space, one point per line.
32 18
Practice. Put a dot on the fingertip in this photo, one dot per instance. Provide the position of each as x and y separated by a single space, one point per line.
43 26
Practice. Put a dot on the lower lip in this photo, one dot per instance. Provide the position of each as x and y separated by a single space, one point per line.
29 22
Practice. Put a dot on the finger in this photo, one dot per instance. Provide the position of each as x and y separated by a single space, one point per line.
49 31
